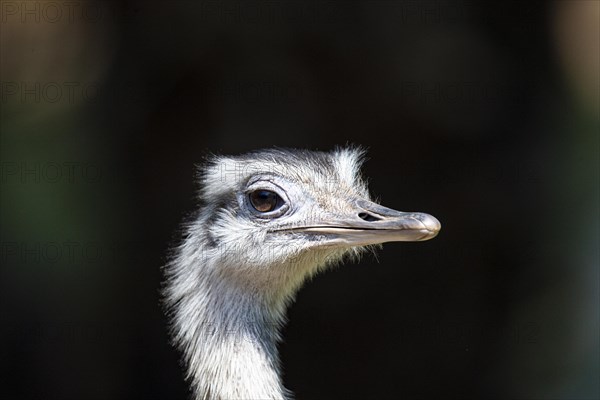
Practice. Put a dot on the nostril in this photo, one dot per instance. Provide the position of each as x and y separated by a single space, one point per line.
368 217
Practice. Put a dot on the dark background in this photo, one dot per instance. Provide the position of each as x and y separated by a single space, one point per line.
484 115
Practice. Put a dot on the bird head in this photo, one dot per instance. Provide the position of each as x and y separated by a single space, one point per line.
279 215
268 220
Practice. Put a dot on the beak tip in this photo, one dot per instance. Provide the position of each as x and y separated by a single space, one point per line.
431 224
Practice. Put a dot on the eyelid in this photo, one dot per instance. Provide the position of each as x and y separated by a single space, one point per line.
254 179
270 186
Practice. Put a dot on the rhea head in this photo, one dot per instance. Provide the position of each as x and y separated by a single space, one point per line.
268 220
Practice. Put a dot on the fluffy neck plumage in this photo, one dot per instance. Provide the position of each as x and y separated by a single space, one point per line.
226 314
226 320
231 347
228 336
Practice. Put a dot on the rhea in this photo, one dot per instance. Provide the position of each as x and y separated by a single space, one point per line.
268 220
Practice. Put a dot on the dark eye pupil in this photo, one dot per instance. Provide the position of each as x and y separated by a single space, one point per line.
264 200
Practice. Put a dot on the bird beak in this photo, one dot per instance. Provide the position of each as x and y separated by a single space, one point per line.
371 223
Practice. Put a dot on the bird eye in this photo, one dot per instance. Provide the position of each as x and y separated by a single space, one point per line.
264 200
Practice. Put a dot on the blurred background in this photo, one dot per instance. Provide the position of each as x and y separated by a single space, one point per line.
484 115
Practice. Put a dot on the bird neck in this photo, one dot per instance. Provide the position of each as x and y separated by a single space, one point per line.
226 318
229 333
238 357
